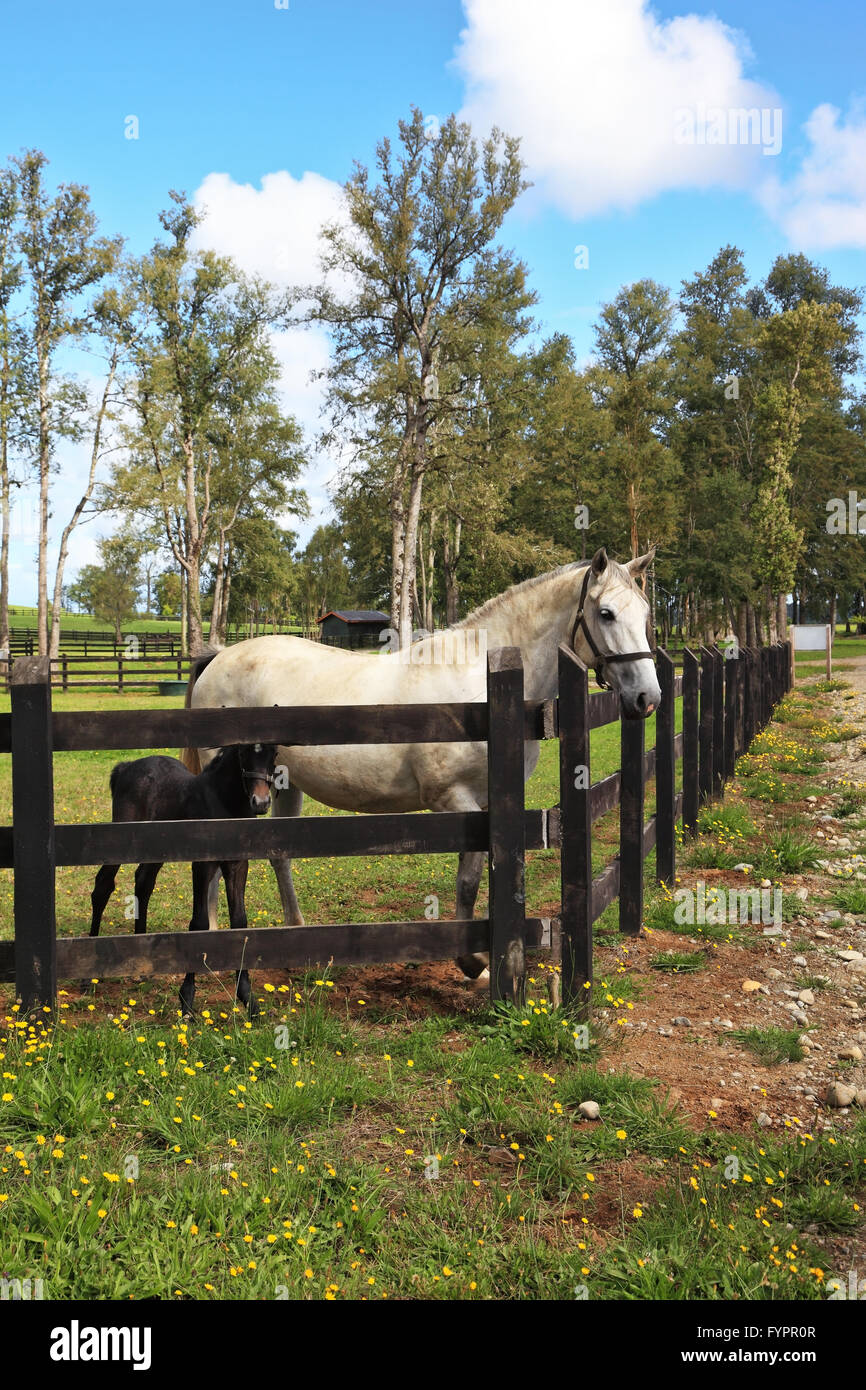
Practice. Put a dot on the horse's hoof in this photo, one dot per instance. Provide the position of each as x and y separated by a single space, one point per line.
253 1009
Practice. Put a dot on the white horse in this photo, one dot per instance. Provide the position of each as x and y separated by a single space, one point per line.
599 608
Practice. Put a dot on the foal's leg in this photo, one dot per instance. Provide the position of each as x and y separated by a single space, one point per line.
202 873
102 891
145 879
235 874
288 802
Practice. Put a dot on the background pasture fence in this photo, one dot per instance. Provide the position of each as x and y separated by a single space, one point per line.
35 845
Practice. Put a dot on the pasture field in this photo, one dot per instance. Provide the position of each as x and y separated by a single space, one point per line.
384 1133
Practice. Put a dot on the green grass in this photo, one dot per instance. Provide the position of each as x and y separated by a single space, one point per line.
850 897
678 962
771 1045
788 852
334 1149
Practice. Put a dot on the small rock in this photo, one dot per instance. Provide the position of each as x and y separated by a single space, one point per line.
860 1098
851 1054
589 1109
813 799
764 1120
749 986
850 955
716 1103
774 974
666 1032
743 868
797 1014
799 960
823 936
806 996
772 931
839 1096
765 883
681 1022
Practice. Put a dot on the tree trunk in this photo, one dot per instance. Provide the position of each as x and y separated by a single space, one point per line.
44 477
410 544
743 623
184 626
450 556
6 510
782 617
219 580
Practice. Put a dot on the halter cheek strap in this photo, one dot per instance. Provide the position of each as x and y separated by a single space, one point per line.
603 659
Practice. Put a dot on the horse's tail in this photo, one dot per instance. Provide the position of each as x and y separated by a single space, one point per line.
190 756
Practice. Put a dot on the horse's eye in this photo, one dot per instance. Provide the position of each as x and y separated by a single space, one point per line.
606 615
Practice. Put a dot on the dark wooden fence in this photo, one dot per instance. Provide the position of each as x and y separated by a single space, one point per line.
725 702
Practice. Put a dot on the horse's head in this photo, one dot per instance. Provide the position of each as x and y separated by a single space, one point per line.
613 632
257 762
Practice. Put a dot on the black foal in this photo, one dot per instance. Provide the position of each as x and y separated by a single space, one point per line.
236 783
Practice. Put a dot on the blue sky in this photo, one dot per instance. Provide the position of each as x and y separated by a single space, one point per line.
249 90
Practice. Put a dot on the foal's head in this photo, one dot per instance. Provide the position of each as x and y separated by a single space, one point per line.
616 617
256 762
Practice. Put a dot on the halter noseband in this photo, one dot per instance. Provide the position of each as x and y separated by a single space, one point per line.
603 659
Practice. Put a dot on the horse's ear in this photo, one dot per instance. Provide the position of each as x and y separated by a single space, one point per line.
598 563
641 564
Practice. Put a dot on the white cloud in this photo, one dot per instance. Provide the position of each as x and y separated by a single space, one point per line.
824 205
273 230
596 92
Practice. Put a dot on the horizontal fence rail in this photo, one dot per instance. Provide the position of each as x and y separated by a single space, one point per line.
725 702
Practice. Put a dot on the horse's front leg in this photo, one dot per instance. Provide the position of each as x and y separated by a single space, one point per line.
288 802
235 874
202 875
469 871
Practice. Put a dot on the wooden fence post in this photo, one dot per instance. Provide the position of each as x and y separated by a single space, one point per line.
631 812
765 686
707 727
718 722
33 833
665 773
740 744
691 794
575 782
505 798
64 664
731 665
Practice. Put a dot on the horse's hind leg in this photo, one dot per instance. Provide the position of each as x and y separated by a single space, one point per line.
145 880
288 802
202 873
235 875
102 891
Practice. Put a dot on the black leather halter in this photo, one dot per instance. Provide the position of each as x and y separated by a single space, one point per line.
603 659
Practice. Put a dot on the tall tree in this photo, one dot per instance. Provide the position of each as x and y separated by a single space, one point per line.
631 382
427 283
202 345
63 258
